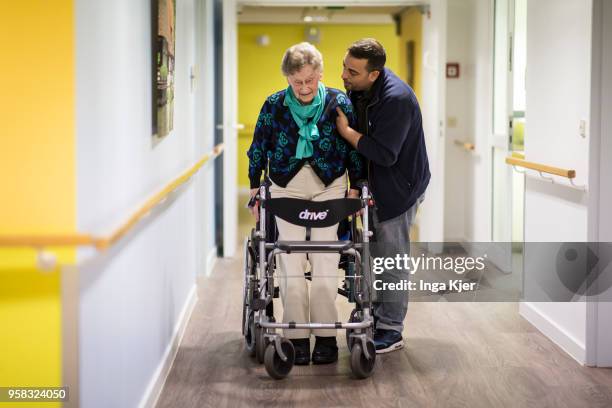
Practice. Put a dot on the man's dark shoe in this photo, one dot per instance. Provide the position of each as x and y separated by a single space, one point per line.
387 341
325 351
302 351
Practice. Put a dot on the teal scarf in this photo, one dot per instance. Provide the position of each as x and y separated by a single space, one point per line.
306 117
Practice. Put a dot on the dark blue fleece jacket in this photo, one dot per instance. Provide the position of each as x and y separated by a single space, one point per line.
394 144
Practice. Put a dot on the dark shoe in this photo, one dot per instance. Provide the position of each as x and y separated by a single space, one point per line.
325 351
302 351
387 341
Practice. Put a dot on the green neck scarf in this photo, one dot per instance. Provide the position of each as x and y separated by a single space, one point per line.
306 117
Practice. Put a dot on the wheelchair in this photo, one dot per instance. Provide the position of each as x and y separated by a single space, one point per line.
260 249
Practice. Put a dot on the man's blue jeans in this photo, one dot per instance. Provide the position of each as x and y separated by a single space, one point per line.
392 238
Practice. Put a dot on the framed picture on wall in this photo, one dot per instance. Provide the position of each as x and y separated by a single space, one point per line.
163 39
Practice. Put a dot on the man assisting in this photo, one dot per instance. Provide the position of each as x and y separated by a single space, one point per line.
390 135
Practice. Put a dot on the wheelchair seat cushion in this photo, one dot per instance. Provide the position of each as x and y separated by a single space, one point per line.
314 214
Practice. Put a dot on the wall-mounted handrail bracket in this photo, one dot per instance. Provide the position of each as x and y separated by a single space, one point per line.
583 188
543 177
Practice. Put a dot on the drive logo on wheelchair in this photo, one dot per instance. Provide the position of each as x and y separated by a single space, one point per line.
308 215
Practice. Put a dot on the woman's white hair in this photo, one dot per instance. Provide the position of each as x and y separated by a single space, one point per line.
300 55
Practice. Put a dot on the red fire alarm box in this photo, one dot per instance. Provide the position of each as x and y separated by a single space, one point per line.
452 70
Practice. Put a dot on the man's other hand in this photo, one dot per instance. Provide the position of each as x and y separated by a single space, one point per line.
348 133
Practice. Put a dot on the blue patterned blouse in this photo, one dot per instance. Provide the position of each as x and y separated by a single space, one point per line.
276 136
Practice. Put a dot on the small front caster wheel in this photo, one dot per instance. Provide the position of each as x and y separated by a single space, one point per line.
260 344
361 366
250 337
275 366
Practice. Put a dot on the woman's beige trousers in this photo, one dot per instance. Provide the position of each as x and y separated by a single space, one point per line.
320 306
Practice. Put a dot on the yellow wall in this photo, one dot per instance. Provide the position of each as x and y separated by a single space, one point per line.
411 28
259 73
37 181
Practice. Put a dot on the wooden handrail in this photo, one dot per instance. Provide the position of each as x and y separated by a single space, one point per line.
542 168
100 243
47 240
466 145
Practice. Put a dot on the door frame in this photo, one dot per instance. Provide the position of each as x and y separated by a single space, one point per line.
500 252
431 214
598 330
226 107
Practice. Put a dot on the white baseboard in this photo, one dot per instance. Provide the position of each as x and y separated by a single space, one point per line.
553 331
153 391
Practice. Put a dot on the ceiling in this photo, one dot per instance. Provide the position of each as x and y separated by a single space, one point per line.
318 15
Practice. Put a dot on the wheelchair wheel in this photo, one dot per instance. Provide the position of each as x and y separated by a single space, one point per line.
249 336
260 344
361 366
275 366
246 287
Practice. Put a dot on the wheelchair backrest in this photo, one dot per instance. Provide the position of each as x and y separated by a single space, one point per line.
314 214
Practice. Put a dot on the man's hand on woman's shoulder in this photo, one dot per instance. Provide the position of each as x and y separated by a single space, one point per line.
342 122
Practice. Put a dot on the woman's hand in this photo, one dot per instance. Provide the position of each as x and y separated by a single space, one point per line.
353 193
255 208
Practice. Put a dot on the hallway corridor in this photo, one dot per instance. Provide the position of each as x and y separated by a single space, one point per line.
456 354
135 132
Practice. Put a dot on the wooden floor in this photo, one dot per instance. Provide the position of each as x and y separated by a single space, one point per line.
456 355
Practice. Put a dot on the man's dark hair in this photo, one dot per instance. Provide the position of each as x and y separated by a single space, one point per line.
370 49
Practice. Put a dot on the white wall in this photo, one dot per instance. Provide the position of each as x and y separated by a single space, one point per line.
468 100
460 109
558 97
132 297
431 218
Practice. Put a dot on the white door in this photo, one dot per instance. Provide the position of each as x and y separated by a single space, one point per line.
500 252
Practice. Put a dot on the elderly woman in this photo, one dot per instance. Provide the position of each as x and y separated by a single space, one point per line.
296 131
